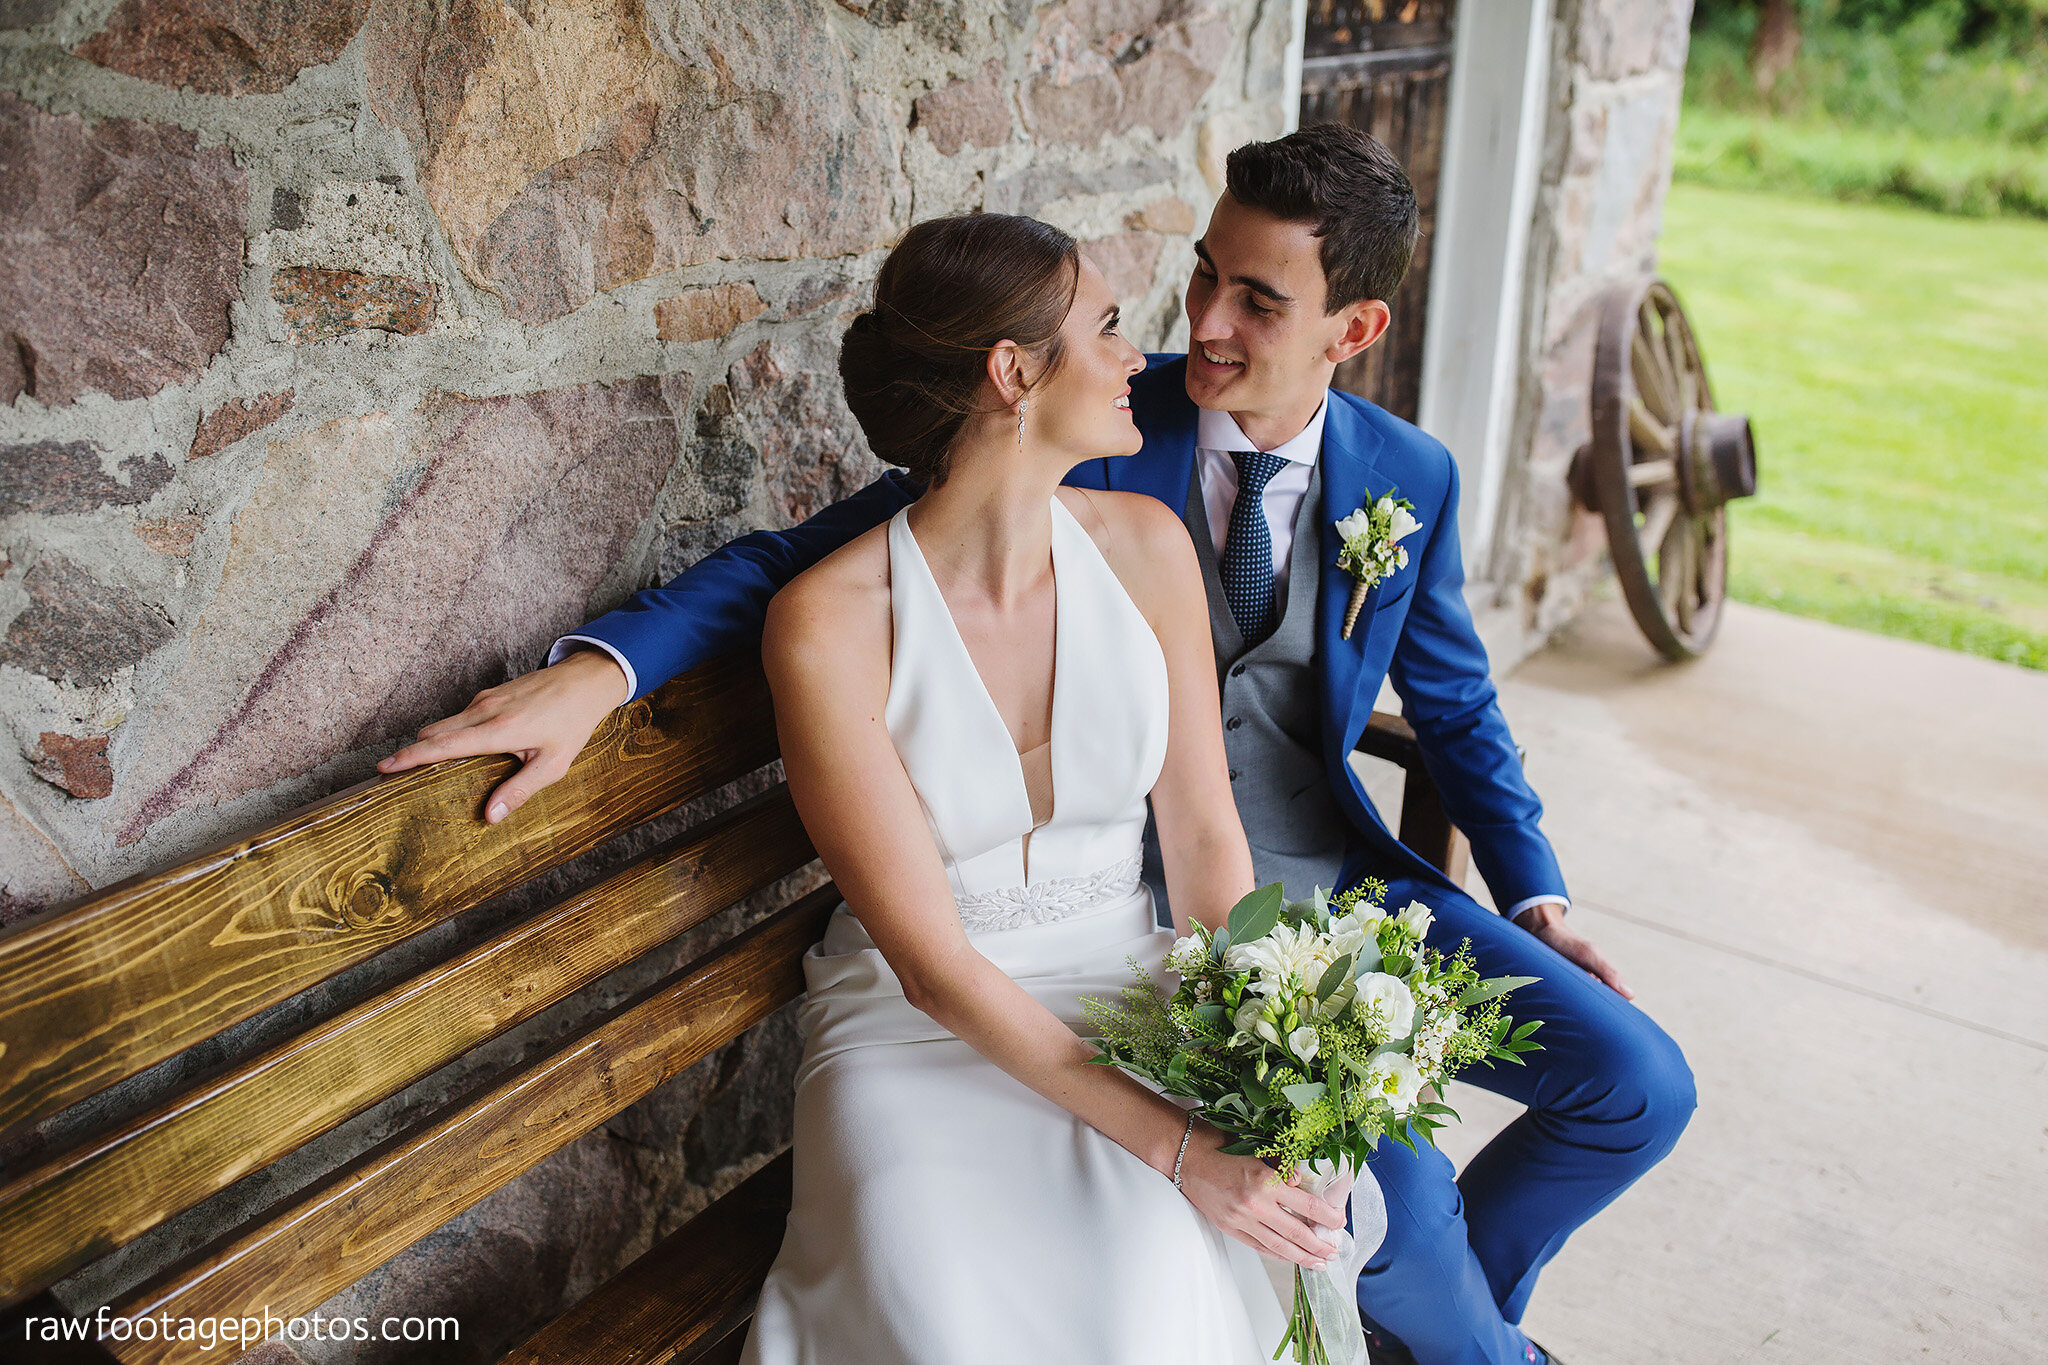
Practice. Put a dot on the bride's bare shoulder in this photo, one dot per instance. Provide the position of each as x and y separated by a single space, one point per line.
839 606
1141 537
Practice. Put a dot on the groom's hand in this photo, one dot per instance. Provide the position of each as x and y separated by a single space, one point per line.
1546 921
543 718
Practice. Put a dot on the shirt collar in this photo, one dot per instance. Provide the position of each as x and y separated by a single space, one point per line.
1219 431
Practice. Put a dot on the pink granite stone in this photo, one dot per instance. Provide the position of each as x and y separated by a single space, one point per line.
120 253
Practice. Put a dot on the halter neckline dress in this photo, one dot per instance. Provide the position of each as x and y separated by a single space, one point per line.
944 1213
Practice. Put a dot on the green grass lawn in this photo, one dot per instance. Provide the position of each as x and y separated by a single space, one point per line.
1895 364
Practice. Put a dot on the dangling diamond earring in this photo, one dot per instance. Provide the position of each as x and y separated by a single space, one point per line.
1022 403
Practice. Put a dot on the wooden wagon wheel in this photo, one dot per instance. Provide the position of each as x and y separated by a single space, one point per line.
1662 466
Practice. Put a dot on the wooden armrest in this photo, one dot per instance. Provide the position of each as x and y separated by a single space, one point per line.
1390 737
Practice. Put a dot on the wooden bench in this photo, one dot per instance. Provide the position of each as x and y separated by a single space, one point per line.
99 992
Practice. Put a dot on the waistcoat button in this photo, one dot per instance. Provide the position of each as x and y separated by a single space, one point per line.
1233 722
1237 672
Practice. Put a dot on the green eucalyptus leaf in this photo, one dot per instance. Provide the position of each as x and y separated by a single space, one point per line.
1338 973
1242 1147
1254 917
1304 1094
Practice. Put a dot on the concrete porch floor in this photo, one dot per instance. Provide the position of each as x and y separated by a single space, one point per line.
1821 859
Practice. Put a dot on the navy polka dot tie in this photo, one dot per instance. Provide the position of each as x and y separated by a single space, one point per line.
1247 566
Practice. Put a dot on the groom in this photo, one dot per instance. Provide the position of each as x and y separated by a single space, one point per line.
1246 439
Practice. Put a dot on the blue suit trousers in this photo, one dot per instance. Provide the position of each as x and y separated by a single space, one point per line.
1606 1099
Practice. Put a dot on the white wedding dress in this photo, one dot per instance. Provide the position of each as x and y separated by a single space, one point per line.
945 1214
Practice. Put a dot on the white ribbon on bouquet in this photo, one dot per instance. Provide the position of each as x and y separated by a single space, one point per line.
1333 1293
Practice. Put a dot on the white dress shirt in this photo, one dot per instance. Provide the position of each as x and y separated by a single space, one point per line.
1216 436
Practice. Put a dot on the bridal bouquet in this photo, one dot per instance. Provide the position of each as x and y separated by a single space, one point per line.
1308 1031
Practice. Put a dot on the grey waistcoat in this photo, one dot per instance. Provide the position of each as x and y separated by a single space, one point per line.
1272 718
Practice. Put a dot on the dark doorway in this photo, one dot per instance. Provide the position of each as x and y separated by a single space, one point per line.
1385 66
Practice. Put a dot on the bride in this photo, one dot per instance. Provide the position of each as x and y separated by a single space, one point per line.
975 702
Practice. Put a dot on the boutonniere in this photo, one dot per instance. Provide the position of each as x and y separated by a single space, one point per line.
1372 548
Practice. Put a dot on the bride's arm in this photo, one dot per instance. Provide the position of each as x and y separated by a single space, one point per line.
1201 839
826 652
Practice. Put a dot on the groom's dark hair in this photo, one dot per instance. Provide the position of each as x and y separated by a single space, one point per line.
1350 189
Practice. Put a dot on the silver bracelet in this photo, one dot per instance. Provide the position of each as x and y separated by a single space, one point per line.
1183 1156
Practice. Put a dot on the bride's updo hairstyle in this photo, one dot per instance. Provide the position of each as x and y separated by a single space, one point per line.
914 364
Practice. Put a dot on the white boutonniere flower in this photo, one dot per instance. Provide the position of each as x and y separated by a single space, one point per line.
1372 548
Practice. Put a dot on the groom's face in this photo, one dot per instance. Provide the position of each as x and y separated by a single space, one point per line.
1259 341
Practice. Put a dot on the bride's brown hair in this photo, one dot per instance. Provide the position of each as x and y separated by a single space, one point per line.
913 365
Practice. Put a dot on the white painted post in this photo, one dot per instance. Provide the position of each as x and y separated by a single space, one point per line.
1493 148
1290 66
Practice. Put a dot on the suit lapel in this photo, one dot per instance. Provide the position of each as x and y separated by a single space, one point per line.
1349 478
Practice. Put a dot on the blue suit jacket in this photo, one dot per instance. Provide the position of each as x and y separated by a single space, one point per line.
1415 627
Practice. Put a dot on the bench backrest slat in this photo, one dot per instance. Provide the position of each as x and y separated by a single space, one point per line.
320 1243
122 1183
138 973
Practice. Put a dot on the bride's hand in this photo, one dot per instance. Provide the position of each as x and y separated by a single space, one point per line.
1248 1200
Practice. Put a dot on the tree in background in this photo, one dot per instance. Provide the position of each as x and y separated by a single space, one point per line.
1776 45
1938 103
1774 34
1773 28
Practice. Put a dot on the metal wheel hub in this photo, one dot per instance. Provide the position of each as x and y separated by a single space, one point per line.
1718 459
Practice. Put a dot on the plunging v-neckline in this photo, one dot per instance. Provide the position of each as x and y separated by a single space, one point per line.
1034 824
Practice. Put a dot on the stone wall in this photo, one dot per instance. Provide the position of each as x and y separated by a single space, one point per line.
1617 69
349 352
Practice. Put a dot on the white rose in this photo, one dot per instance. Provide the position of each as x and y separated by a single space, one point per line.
1417 917
1364 917
1390 998
1248 1014
1186 956
1394 1079
1404 524
1302 1043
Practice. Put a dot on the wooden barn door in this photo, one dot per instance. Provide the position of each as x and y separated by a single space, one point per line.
1385 66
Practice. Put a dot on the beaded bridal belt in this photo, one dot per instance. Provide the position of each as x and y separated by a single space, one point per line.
1014 907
